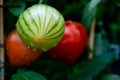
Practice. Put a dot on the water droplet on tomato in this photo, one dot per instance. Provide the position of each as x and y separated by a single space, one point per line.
34 49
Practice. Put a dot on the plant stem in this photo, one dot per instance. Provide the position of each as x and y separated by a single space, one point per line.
2 49
91 39
1 45
40 1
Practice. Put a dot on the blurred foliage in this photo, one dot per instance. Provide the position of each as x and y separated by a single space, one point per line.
103 65
27 75
18 10
111 77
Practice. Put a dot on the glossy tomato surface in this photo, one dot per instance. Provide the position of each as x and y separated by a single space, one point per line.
18 53
72 44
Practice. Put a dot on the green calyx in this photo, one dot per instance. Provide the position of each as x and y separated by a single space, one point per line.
41 27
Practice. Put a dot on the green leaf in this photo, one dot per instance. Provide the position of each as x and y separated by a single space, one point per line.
101 43
114 32
71 7
90 68
111 77
115 26
93 4
89 13
29 75
102 58
88 16
17 10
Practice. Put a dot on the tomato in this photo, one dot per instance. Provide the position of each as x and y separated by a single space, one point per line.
72 44
18 53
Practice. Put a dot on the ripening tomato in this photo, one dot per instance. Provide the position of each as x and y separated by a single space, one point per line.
72 44
18 53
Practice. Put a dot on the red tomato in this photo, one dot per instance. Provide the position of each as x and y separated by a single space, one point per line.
71 45
18 53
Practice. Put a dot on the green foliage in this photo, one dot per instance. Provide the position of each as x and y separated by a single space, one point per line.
89 13
82 70
27 75
114 31
90 68
88 16
102 43
93 4
19 9
111 77
107 30
10 21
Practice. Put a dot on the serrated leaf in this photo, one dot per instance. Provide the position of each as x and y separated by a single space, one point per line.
29 75
17 10
111 77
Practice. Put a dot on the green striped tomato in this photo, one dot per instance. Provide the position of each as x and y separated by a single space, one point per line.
41 26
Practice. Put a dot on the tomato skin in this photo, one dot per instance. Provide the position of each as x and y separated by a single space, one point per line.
18 53
72 44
